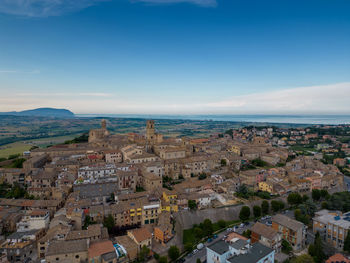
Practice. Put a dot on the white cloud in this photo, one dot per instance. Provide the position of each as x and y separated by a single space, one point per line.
325 99
36 71
43 8
204 3
47 8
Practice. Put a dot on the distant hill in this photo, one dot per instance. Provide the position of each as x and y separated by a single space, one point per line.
43 112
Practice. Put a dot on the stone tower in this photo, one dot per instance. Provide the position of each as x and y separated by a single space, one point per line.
104 124
150 131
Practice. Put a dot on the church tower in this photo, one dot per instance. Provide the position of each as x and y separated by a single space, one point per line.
150 131
104 124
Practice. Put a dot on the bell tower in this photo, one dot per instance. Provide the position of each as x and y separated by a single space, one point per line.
150 131
104 124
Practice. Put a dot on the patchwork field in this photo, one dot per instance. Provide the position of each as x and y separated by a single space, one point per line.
13 148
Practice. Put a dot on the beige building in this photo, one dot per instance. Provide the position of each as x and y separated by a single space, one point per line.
332 226
151 181
99 135
172 153
141 236
73 251
114 156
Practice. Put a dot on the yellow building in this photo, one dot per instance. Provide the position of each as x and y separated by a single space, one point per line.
169 201
267 187
235 149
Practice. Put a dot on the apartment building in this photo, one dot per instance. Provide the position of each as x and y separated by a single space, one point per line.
291 230
266 236
332 226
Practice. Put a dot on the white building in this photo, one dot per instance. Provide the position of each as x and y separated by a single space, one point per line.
35 219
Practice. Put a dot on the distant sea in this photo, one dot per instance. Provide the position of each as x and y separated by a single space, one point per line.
294 119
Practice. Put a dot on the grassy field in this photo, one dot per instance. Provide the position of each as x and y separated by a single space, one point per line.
19 147
13 148
43 142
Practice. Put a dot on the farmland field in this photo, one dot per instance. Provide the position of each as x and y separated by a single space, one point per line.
13 148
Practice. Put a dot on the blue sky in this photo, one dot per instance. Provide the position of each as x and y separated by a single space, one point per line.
176 56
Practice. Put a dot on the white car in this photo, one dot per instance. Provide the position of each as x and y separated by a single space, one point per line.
229 229
195 251
241 225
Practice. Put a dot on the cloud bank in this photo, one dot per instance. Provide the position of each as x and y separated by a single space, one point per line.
203 3
325 99
44 8
47 8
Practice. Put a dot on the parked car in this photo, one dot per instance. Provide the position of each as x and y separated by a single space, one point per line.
215 236
241 225
209 240
200 246
269 223
229 229
195 251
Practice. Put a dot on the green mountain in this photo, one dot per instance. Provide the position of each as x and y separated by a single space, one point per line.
44 112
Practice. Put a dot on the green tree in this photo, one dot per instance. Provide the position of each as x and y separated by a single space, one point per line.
163 259
300 216
265 207
18 163
324 194
188 247
324 205
294 199
208 227
244 214
222 223
347 243
303 259
109 223
277 205
143 254
247 233
223 162
316 251
286 247
198 260
192 204
259 162
156 256
316 194
257 211
173 253
202 176
88 221
198 232
305 198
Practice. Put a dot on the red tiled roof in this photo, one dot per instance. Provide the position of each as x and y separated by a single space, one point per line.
337 258
100 248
